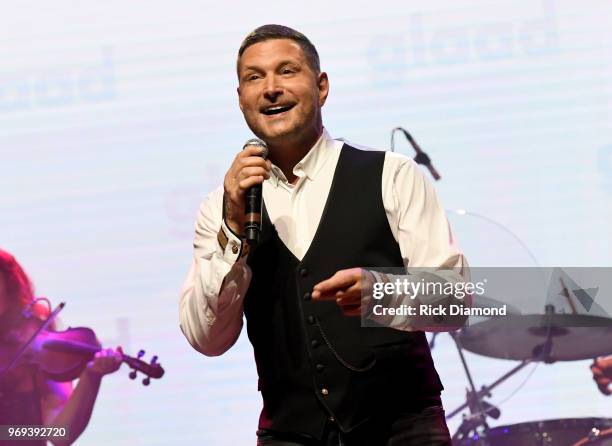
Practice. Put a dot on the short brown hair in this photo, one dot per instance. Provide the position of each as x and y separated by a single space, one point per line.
268 32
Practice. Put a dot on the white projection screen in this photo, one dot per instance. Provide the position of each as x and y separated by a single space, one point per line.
117 118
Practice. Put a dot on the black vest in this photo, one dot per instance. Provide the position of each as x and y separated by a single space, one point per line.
313 362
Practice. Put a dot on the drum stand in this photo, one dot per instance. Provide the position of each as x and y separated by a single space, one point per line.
475 424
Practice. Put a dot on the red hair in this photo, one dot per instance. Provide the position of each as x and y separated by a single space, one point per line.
20 291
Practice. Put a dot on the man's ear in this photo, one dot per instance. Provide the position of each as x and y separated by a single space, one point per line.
323 84
239 99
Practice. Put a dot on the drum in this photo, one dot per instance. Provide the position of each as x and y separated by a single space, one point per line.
562 432
597 438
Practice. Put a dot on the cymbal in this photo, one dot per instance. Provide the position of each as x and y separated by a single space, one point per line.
572 337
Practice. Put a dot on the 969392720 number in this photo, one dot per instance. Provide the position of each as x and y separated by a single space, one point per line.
26 432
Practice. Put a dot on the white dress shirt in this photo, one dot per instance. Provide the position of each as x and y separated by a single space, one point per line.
211 304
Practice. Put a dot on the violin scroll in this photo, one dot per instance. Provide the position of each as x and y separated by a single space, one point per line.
151 370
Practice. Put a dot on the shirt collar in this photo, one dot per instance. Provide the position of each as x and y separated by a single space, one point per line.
312 162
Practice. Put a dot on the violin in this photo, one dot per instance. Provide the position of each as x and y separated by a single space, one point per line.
63 355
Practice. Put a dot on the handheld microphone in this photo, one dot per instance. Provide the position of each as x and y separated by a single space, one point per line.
252 226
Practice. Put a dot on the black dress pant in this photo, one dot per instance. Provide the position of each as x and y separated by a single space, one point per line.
425 427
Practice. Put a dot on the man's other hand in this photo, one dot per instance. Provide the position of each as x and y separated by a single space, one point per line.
350 288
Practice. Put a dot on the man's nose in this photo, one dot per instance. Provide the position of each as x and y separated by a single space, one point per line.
272 89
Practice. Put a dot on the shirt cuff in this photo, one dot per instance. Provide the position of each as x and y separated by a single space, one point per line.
231 246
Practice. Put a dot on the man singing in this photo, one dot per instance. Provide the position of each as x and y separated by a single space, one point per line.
330 211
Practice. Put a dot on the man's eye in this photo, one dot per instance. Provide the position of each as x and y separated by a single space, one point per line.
287 71
252 77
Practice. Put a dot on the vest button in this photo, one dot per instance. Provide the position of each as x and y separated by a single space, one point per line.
320 367
332 419
324 391
311 320
314 343
303 272
307 296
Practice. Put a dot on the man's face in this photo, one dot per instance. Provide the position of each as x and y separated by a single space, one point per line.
280 94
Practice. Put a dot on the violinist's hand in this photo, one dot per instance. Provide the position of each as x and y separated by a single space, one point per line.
105 362
347 287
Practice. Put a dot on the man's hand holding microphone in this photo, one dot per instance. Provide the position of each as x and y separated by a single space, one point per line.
242 190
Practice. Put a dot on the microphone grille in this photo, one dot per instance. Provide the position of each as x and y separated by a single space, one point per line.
257 142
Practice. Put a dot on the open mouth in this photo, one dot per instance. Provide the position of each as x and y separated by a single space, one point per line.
276 109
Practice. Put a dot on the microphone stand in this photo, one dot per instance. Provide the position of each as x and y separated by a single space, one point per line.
421 157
